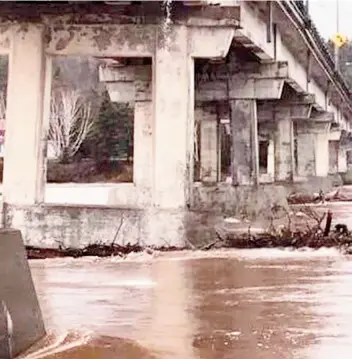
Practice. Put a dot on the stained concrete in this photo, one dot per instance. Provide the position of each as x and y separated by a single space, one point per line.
18 293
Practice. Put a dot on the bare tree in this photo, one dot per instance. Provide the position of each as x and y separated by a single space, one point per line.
71 121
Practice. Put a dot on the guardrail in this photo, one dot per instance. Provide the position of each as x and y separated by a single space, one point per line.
300 8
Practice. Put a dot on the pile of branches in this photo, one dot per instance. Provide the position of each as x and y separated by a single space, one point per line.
314 231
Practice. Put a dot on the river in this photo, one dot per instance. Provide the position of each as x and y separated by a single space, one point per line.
257 304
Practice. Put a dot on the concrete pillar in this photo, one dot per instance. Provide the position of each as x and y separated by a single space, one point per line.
306 154
173 91
143 148
321 154
271 159
209 143
245 148
342 160
333 155
24 174
284 149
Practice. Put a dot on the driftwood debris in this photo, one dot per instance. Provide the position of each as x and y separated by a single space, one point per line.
312 235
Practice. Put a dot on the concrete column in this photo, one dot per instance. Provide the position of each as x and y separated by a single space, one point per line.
271 159
321 154
245 149
209 143
173 91
284 149
342 160
306 154
143 148
24 174
333 155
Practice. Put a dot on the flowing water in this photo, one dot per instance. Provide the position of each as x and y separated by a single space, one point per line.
256 304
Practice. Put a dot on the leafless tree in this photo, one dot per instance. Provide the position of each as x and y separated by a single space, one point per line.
71 121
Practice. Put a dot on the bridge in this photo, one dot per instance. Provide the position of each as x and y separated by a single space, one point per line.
236 103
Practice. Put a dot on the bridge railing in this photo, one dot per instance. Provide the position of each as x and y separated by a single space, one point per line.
301 9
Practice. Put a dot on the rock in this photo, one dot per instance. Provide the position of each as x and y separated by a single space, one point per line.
232 220
300 214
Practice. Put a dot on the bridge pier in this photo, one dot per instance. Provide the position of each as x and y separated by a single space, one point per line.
259 93
209 151
24 174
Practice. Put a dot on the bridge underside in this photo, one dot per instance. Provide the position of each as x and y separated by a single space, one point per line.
217 128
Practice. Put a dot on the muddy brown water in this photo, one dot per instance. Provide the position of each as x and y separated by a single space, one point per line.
256 304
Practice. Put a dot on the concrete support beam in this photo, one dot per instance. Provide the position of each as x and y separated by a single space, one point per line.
342 160
206 42
103 40
268 111
24 171
173 120
313 147
239 88
322 153
271 159
259 82
245 149
333 156
306 154
207 118
143 149
284 148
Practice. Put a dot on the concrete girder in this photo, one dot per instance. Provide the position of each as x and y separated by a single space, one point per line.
270 112
273 70
299 99
313 127
212 16
125 73
207 42
130 91
134 40
265 82
251 70
240 88
323 117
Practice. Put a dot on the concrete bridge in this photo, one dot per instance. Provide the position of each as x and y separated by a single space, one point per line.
255 71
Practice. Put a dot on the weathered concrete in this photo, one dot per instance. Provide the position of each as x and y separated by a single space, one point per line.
333 156
173 119
244 127
306 154
209 143
243 201
77 226
342 160
23 176
284 149
322 153
18 294
143 150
